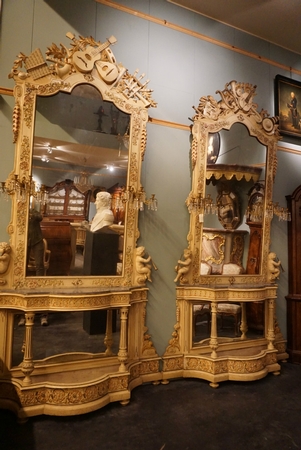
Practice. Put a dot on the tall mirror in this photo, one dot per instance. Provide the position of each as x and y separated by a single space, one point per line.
78 161
74 286
80 148
231 187
226 279
239 166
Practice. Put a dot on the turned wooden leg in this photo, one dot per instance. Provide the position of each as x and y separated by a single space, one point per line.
271 332
123 354
213 335
108 340
27 364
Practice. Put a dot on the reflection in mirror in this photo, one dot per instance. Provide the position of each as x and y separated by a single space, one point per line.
239 166
80 149
229 322
75 332
201 323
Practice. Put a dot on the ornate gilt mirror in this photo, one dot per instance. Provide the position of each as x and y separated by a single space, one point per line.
79 125
219 203
79 131
226 277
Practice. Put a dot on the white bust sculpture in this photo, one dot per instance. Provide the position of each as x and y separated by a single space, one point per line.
104 216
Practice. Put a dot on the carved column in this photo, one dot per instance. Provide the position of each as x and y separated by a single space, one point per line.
271 331
108 340
243 325
213 335
123 354
27 364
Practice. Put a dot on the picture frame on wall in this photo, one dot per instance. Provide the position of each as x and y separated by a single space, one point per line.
288 105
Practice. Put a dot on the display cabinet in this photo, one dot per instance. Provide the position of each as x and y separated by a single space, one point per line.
228 264
66 202
56 369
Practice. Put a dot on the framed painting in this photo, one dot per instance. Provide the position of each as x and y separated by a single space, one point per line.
288 105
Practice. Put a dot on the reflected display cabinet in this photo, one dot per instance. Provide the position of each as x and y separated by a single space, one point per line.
228 264
66 202
76 111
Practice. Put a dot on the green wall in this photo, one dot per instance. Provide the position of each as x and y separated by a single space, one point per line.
181 69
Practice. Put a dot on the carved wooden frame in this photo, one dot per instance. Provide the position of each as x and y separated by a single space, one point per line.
136 361
212 116
127 93
216 359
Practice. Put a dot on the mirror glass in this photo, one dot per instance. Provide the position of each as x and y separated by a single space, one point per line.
237 165
75 332
229 318
80 148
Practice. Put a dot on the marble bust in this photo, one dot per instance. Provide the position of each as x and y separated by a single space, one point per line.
104 215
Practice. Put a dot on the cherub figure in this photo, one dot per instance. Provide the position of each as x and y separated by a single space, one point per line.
5 250
183 266
143 269
273 267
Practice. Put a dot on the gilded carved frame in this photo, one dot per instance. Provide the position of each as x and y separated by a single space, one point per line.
236 106
34 76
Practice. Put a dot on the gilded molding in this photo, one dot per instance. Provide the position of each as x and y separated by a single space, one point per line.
16 121
229 365
175 363
143 368
70 396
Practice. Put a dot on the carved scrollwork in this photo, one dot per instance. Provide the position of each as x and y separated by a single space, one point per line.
86 56
237 98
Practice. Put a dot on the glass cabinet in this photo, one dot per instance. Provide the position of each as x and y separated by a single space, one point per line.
66 202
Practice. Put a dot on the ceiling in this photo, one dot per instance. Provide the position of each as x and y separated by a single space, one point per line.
276 21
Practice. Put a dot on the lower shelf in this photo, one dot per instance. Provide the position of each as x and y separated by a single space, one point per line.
237 366
79 397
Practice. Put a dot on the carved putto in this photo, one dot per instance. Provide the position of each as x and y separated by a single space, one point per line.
183 266
143 268
5 250
273 267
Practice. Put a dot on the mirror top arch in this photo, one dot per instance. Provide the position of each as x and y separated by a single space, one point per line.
86 61
235 107
82 61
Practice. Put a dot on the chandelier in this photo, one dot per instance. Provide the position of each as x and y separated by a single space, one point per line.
22 189
83 182
255 213
136 198
201 205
